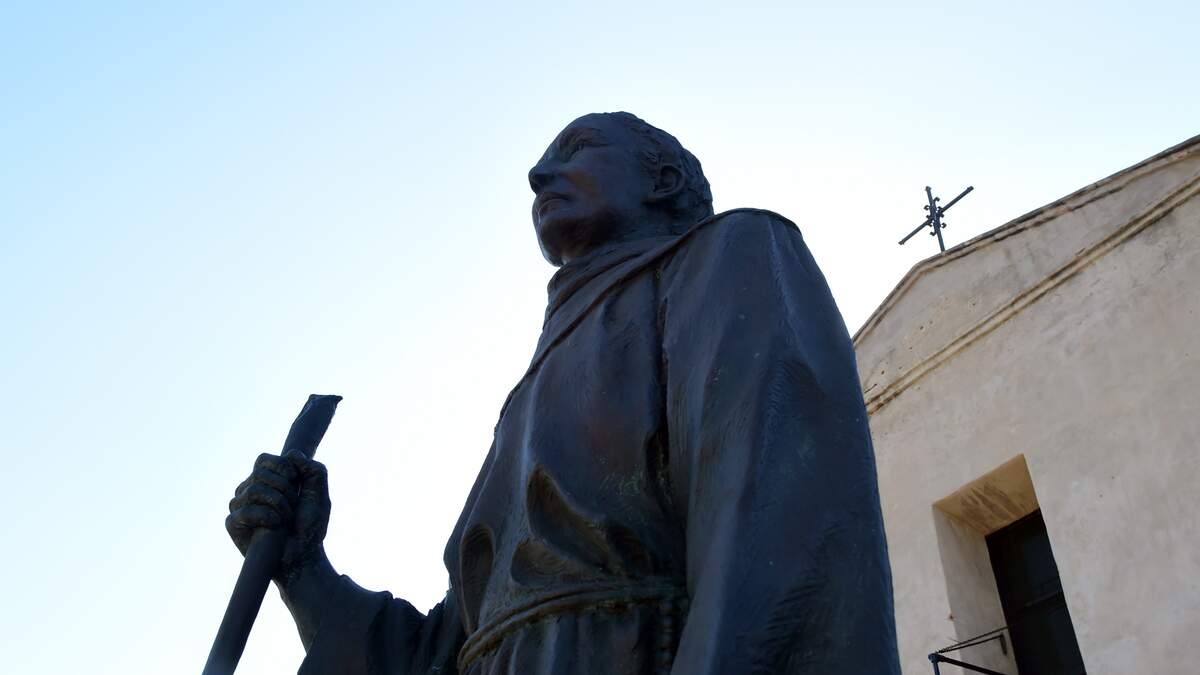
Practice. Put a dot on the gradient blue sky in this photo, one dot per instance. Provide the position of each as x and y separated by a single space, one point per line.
210 210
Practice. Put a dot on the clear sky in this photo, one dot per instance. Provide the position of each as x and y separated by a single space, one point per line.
210 210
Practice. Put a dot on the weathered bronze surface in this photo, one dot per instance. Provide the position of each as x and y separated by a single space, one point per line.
682 481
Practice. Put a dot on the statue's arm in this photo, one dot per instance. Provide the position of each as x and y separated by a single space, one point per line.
771 463
345 629
371 632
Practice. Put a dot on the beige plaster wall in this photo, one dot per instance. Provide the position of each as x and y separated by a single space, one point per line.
1095 379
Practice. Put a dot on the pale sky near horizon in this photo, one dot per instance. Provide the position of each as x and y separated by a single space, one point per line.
210 210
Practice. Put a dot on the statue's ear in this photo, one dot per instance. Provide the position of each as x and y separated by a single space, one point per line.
668 184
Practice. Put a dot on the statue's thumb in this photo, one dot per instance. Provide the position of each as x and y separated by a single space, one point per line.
313 477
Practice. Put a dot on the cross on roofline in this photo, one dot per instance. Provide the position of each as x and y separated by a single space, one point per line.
934 219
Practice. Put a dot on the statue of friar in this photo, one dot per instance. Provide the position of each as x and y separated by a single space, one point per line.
681 483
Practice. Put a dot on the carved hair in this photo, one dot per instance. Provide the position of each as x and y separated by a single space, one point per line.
694 202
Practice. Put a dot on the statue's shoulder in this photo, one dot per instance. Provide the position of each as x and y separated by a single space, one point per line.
742 229
746 215
733 245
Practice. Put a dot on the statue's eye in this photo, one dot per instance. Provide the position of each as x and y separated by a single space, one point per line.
580 142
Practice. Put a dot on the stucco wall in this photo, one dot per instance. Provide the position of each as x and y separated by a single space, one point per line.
1095 379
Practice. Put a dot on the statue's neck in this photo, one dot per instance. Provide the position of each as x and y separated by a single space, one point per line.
623 234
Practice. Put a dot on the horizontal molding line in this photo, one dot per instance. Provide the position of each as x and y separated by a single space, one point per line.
1032 294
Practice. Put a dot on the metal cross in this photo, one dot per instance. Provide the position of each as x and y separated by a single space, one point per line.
934 220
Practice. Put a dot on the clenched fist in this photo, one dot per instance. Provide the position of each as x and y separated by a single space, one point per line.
289 493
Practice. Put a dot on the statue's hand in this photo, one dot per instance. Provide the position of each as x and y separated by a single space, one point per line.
289 493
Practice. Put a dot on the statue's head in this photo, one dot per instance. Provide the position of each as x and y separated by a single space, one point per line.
611 177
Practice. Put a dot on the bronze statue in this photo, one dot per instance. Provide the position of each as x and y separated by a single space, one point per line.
682 482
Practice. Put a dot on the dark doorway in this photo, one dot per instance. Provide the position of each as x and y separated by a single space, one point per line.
1031 594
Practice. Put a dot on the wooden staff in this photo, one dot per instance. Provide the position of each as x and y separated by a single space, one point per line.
265 550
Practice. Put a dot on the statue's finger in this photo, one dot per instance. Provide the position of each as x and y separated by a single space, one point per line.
242 485
273 479
277 464
261 495
256 517
231 525
268 496
314 477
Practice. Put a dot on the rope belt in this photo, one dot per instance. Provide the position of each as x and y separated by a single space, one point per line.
670 598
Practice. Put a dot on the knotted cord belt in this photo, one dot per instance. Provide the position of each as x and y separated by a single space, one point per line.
670 598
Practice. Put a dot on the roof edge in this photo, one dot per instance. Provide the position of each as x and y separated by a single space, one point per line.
1040 215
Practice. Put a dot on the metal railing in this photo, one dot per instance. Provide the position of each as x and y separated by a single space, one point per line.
939 656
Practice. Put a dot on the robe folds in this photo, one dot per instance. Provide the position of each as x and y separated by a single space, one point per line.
682 483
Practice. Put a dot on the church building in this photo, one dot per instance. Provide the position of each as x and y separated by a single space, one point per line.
1034 396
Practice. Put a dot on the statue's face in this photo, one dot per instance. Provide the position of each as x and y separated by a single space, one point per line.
589 187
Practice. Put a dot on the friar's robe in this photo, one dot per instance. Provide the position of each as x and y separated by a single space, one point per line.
682 483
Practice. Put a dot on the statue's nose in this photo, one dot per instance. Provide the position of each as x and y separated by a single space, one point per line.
539 177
